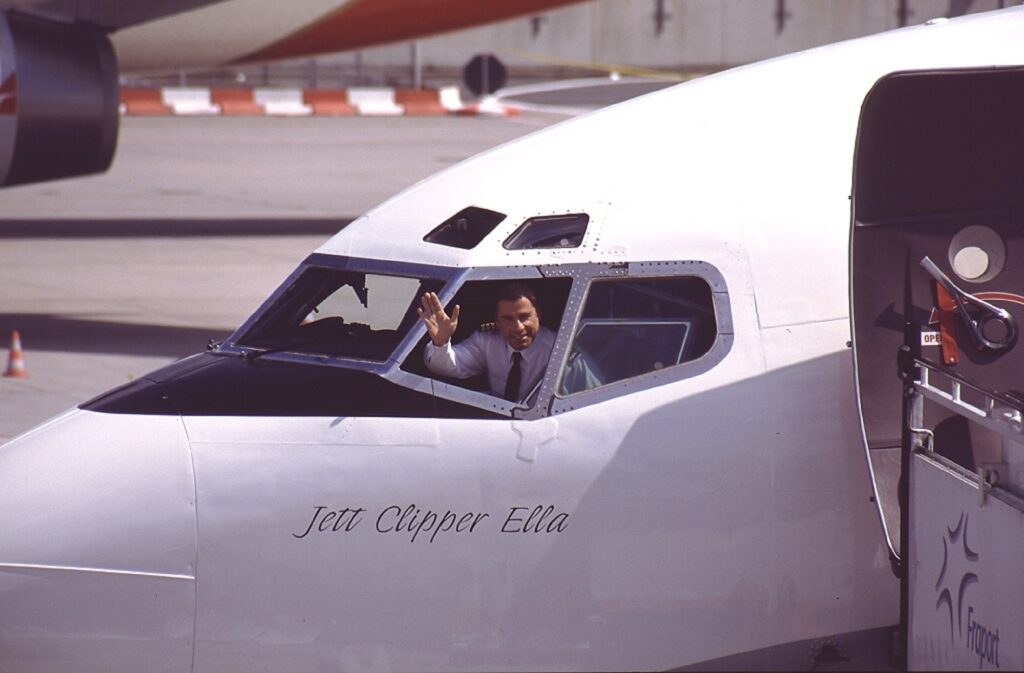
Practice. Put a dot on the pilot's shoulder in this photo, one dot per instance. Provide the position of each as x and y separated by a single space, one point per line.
482 336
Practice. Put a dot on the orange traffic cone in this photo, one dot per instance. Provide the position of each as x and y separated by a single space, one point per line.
15 363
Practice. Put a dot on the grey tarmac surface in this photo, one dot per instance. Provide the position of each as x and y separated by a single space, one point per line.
263 167
112 276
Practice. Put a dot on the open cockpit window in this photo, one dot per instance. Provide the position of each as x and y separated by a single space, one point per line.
482 348
340 313
552 231
603 330
631 327
466 228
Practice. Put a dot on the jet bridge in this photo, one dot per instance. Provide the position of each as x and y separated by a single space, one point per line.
937 304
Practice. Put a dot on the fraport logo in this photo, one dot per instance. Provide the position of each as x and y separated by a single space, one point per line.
955 580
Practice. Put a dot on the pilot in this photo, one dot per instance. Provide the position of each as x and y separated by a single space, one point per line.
514 358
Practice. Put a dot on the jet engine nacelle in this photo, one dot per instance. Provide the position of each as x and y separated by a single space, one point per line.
58 100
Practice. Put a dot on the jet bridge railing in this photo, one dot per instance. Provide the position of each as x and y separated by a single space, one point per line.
964 523
997 412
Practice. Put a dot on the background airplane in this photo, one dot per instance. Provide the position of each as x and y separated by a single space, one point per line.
59 66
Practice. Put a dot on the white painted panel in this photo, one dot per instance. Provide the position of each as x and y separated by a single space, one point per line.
286 102
98 546
59 620
99 491
190 101
375 101
966 575
690 512
450 97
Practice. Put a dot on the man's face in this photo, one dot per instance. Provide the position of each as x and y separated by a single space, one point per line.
518 322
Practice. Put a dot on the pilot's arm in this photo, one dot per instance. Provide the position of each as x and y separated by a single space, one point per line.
581 373
459 361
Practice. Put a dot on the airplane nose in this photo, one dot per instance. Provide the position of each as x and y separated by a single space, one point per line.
97 545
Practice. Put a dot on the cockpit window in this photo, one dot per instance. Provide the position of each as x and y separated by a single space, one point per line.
554 231
635 326
480 341
466 228
348 314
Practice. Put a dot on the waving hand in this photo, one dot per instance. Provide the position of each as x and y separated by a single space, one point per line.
440 326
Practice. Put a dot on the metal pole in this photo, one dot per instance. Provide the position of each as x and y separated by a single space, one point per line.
486 84
913 417
313 80
417 66
903 13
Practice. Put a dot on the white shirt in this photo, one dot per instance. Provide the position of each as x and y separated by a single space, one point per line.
489 352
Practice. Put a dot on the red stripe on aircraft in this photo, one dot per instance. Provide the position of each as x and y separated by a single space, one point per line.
1008 297
1001 296
363 23
9 95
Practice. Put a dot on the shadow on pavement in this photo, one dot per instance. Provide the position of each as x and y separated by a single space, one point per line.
131 227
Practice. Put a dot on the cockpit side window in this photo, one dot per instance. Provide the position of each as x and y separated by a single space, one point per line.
478 328
630 327
343 313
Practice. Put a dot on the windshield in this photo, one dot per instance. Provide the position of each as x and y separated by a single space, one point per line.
349 314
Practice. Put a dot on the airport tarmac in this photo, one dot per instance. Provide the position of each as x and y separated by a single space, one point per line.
199 219
264 167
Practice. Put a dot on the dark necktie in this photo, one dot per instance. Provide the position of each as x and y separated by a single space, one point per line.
515 375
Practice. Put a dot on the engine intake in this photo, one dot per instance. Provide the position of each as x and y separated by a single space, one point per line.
58 100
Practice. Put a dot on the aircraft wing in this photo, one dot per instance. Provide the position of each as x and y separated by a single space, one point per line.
249 31
60 59
108 14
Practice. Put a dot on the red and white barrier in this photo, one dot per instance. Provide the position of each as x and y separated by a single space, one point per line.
282 102
375 102
489 106
379 101
190 101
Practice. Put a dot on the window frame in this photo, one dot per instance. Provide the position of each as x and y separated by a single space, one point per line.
585 323
231 345
638 270
544 402
522 232
456 393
